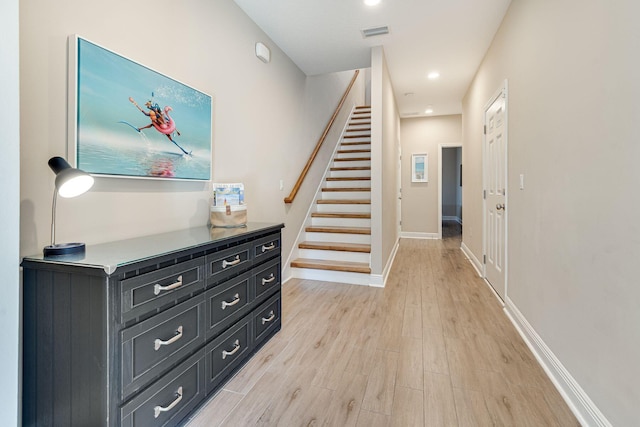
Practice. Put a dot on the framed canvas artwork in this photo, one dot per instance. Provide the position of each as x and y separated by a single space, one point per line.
419 168
127 120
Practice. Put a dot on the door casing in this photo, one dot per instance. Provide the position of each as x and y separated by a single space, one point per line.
440 148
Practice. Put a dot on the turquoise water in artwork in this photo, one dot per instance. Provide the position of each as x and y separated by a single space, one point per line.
108 141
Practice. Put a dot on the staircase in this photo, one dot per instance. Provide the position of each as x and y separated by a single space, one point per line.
337 245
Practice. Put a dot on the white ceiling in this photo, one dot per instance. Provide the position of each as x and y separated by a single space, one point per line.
450 36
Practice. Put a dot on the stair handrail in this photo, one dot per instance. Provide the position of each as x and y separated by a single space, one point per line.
305 170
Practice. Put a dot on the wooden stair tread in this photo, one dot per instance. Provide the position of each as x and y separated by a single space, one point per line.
353 267
359 130
356 215
339 189
355 136
362 150
362 106
349 178
356 143
352 159
353 168
338 229
344 202
336 246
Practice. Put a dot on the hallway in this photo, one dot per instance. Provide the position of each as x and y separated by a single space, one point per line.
433 348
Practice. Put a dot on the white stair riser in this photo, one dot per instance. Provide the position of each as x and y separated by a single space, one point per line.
352 164
338 222
358 130
331 276
350 184
343 208
362 146
363 139
352 155
337 237
347 174
346 195
334 255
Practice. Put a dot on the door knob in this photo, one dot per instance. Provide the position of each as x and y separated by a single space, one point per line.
499 206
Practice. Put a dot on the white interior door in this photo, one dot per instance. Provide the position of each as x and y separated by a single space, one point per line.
495 184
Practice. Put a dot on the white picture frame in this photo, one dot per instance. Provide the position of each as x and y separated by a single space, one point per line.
111 135
420 167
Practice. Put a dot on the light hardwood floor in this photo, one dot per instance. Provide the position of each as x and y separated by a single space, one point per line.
433 348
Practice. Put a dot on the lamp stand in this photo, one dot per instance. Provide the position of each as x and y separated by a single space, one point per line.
60 248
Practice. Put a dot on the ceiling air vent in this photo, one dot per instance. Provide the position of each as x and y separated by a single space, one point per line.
375 31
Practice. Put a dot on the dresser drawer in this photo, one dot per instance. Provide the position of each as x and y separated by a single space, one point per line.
151 347
145 293
170 399
266 318
266 279
227 352
223 264
266 248
226 303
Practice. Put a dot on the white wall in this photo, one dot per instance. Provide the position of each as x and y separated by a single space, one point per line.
9 214
420 200
573 245
385 124
259 114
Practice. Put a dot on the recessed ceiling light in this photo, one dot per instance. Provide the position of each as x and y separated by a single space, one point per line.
371 2
429 110
433 75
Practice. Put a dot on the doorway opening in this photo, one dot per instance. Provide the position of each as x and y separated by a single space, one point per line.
450 190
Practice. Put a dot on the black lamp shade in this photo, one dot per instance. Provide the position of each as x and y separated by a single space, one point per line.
70 182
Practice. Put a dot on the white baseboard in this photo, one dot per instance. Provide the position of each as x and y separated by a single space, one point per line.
579 402
417 235
452 218
475 262
380 281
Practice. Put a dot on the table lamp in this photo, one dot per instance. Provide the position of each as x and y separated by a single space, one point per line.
70 182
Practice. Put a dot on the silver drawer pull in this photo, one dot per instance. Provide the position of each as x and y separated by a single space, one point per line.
272 316
236 347
159 409
268 248
269 280
159 343
226 263
234 301
157 288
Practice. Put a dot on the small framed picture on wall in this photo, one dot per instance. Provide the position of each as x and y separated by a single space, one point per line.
419 168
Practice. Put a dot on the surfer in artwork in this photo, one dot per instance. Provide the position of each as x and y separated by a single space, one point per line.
160 120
